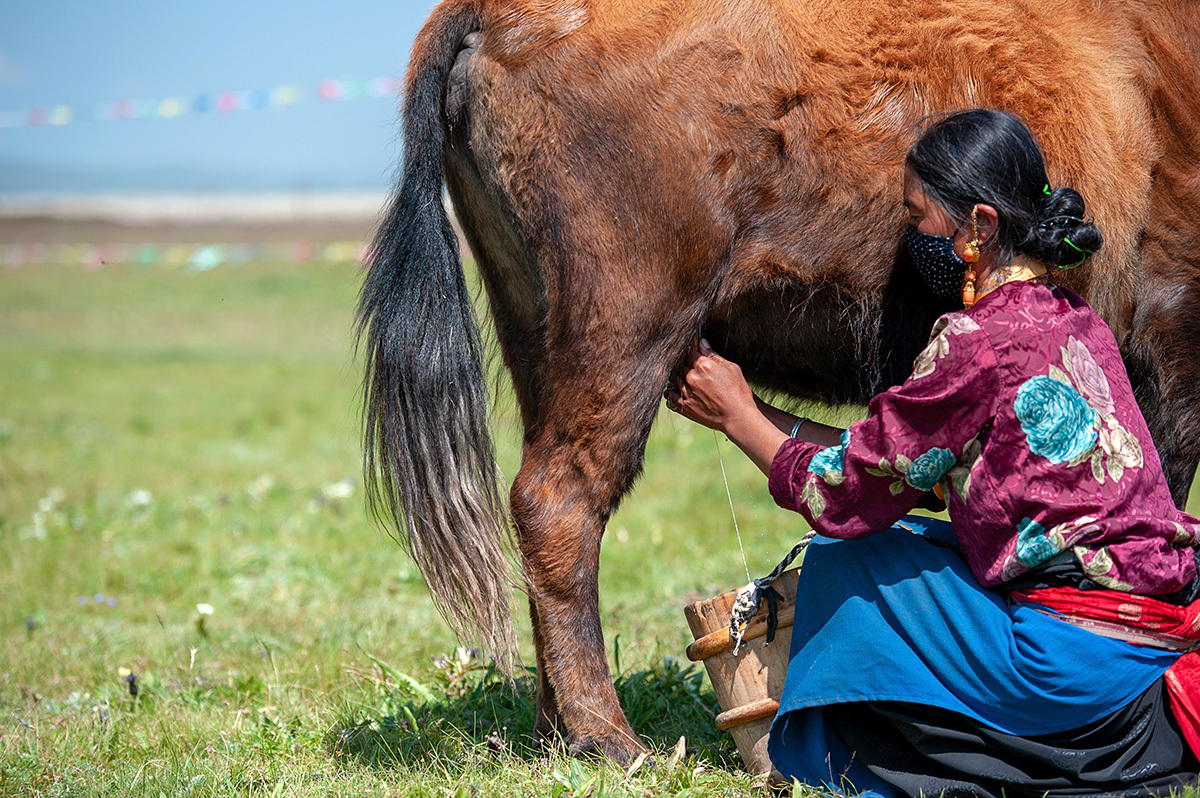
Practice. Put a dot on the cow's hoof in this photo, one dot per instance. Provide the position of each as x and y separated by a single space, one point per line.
620 748
548 737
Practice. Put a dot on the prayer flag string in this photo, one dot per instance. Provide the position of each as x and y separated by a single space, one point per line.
221 102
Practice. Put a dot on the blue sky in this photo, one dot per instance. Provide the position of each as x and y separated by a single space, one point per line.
85 53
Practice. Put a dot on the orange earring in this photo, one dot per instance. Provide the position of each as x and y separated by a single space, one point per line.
971 255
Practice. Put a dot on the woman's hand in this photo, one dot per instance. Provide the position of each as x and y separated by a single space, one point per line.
712 391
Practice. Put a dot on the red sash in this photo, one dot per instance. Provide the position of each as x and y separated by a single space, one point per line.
1141 620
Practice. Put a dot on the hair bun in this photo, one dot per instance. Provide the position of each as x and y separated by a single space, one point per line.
1060 234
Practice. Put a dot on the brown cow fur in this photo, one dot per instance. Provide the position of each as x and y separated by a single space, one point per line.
630 173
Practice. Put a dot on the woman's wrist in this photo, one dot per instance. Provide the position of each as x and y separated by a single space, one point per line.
756 435
783 420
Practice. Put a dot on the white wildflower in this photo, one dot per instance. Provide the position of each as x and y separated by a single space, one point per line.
342 489
139 498
260 487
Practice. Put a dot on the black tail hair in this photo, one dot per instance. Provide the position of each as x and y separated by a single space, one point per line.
430 468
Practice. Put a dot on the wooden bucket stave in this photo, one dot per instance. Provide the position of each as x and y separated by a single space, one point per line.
748 686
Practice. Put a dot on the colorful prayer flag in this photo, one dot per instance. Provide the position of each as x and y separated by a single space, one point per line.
202 103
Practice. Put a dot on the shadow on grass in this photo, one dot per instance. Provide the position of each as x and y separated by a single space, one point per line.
468 712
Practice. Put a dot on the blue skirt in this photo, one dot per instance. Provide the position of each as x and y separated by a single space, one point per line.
899 618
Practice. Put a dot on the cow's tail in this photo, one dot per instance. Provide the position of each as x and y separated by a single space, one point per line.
429 464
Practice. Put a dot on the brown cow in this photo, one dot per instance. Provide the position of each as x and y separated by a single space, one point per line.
632 172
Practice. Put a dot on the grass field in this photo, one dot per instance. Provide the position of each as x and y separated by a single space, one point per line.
172 442
170 439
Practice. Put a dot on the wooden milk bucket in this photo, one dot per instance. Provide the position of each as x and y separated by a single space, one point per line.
748 687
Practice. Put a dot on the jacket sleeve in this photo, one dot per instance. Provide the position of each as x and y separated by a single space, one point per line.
912 436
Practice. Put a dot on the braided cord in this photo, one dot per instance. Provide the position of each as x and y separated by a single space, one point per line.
751 597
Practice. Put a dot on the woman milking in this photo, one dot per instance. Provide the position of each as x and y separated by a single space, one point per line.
1038 643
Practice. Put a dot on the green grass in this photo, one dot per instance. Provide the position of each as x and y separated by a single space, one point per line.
169 439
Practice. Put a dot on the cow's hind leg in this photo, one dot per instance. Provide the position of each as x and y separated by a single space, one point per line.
582 451
1164 364
1162 348
548 727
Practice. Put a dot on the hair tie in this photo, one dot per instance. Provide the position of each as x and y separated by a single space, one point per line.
1071 244
1046 189
1050 222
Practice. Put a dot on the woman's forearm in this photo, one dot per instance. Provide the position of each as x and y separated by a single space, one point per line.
760 432
759 437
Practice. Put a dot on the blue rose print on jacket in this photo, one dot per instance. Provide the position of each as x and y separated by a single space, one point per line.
830 461
1034 546
928 469
1057 421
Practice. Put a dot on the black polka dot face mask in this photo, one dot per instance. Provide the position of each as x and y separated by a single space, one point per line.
936 260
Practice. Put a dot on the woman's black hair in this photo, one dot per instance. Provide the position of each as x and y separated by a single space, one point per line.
990 157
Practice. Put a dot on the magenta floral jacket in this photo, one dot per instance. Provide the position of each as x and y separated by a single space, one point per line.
1021 408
